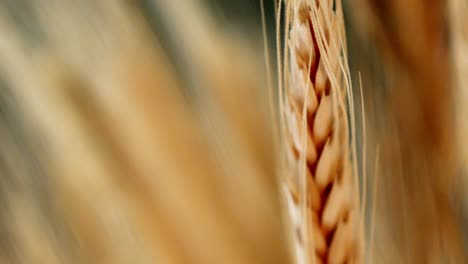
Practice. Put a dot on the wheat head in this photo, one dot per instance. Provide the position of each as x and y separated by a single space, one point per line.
321 186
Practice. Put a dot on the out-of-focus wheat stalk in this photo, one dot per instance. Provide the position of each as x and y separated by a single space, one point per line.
405 51
459 40
321 192
150 153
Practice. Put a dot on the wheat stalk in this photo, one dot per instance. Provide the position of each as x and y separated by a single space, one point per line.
320 182
406 46
460 57
157 145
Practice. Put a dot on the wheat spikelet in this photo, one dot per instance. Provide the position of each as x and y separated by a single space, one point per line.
320 172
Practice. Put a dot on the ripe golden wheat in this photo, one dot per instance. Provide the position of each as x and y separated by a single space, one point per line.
320 170
139 132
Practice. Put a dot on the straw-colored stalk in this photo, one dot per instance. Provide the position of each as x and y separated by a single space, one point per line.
321 186
459 25
147 157
405 50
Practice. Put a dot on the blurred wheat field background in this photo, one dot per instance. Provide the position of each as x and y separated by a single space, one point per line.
176 131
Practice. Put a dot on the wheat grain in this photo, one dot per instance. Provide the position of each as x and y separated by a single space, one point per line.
317 132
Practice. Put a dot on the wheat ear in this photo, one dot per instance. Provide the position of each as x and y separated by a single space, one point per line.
321 186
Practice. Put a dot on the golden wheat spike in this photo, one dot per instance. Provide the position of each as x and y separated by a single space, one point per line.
320 169
139 132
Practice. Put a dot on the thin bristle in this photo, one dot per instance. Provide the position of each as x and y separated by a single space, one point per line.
363 162
374 205
268 72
